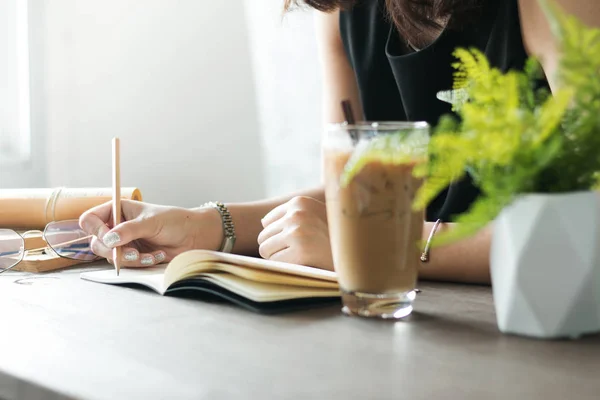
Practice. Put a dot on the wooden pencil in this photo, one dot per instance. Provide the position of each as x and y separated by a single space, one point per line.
116 183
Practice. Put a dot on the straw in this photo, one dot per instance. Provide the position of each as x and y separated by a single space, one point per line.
349 116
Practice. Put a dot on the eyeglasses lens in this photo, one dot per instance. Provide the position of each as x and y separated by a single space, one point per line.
68 240
12 249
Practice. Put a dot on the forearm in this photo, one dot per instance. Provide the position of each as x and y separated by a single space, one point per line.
247 218
464 261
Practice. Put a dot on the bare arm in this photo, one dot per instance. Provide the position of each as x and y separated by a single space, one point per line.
339 81
464 261
338 84
247 219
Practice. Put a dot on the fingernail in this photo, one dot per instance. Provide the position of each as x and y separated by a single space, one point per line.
147 260
111 239
131 256
159 257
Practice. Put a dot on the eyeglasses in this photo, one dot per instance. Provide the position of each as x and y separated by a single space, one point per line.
63 238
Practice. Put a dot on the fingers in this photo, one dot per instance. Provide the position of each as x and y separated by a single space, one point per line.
99 248
288 246
292 222
285 223
147 259
299 246
94 219
96 222
130 254
298 203
127 232
297 234
271 230
132 258
274 215
273 245
284 255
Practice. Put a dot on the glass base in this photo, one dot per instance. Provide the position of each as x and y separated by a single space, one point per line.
384 306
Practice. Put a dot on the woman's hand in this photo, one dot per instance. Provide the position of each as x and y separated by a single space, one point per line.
151 234
296 232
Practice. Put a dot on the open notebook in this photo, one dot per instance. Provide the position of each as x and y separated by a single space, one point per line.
256 284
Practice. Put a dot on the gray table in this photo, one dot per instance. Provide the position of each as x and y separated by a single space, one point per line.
69 338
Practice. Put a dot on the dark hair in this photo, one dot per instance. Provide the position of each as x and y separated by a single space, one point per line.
411 17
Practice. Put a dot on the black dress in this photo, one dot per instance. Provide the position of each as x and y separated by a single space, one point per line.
397 84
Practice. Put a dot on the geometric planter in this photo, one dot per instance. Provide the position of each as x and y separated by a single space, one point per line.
545 265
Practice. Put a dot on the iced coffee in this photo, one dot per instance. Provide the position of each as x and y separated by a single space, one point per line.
374 231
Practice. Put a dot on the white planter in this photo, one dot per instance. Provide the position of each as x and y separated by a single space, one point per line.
545 266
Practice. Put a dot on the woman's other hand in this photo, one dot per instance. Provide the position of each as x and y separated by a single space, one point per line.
296 232
151 234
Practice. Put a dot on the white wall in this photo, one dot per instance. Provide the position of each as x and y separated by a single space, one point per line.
204 94
25 166
289 94
9 89
172 78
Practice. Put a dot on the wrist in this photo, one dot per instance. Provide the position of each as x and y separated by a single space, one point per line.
208 228
228 237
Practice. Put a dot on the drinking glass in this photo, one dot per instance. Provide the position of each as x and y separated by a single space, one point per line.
374 231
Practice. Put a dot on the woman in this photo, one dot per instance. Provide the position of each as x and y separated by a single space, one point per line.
390 58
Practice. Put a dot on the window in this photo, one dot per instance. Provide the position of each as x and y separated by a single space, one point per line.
15 132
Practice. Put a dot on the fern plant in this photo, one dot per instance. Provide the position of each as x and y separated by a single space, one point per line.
512 138
577 165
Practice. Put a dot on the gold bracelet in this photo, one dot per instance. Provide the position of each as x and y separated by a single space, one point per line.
425 254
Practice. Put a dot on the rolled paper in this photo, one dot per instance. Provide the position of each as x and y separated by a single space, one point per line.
34 208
